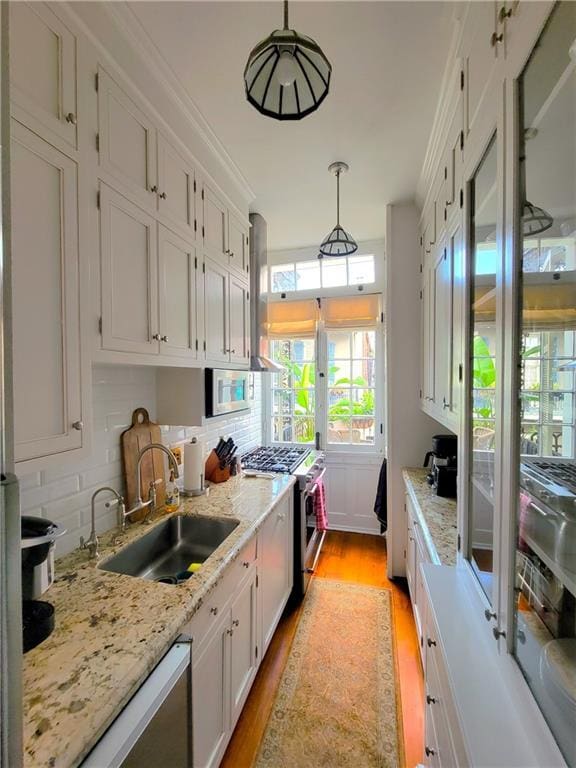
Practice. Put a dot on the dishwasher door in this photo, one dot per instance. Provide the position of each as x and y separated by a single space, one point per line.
155 728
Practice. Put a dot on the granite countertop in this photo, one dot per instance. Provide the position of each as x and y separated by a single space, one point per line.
437 517
112 630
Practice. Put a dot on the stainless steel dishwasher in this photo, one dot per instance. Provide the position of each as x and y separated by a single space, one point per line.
155 728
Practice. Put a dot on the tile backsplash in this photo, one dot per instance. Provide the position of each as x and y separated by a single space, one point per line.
63 494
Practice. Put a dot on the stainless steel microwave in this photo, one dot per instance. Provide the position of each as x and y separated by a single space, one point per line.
226 391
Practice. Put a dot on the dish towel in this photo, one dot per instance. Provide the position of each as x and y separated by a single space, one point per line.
320 506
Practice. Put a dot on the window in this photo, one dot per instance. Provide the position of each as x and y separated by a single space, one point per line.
293 391
323 273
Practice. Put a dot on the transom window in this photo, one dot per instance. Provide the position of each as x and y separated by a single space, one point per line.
322 273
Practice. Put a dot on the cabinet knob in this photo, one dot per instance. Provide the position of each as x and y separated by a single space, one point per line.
430 642
214 611
163 338
236 623
504 14
498 633
429 751
227 251
281 515
162 195
233 351
488 614
230 632
430 699
231 254
495 39
78 425
71 118
154 189
246 564
156 337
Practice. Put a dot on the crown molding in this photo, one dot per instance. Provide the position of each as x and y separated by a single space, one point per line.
126 21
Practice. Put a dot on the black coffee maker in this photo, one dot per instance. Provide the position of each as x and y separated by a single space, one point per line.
443 464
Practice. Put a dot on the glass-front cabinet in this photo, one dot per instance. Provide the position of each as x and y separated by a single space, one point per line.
544 642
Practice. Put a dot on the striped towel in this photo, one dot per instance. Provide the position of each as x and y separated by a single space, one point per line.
320 506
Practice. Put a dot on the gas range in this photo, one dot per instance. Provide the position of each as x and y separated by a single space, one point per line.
302 462
552 482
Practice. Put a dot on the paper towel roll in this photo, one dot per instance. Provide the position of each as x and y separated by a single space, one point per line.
193 466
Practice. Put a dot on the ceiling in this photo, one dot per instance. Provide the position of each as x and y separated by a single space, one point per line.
387 64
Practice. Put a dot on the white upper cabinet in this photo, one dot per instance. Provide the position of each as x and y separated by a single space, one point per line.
214 224
216 311
178 271
442 326
238 244
126 141
176 185
45 299
480 61
239 321
43 72
129 275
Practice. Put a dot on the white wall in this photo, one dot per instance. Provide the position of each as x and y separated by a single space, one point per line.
408 428
63 494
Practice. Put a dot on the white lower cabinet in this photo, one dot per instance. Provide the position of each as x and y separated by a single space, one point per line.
231 630
416 554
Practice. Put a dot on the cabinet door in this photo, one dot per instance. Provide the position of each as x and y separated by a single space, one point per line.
45 298
126 140
238 244
243 662
442 327
129 275
428 335
178 270
214 224
239 320
175 187
276 568
456 256
43 70
216 311
210 696
481 59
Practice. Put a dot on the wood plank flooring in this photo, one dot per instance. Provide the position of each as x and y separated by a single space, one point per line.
360 559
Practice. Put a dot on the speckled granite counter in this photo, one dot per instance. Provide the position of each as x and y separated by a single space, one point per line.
437 517
111 629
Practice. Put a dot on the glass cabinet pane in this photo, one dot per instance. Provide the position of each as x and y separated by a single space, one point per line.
545 562
482 359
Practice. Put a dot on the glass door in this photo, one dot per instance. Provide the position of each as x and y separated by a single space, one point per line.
482 404
545 553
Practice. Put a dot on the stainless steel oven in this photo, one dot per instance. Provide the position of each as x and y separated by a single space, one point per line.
226 391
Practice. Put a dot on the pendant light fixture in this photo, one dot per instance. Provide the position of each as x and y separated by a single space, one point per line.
338 242
535 220
287 75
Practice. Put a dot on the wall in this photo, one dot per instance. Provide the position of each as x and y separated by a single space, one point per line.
63 494
408 428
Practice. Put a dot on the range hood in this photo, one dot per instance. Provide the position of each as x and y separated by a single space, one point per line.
259 361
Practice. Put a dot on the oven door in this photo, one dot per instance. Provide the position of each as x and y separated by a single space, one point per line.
314 538
226 391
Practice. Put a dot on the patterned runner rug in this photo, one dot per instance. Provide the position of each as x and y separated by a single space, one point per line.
336 706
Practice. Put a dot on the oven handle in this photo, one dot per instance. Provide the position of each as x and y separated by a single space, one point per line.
312 491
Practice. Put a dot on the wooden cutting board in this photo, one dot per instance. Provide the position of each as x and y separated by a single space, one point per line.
141 433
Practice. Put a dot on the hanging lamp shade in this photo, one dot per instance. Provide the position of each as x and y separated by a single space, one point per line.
535 220
287 75
338 242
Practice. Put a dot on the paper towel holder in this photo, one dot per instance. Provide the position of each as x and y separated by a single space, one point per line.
204 490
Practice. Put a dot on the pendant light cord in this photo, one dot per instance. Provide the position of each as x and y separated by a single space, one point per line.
285 14
338 198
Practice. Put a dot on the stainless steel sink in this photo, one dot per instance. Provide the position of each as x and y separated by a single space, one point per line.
170 547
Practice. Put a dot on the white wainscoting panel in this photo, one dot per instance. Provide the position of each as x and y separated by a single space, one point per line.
351 483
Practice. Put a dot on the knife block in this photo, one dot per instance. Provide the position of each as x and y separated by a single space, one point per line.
212 471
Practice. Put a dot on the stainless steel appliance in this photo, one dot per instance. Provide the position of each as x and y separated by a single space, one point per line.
443 468
226 391
154 729
307 466
10 572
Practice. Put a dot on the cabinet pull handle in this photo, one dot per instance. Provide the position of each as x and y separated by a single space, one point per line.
154 189
429 751
495 39
214 611
71 118
156 337
236 623
163 195
78 426
504 14
430 642
430 699
163 338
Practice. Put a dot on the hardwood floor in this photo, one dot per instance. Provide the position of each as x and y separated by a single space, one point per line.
347 557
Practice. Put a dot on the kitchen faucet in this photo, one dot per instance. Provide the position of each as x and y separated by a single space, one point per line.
91 544
150 505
